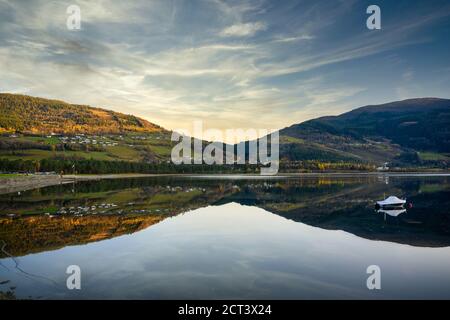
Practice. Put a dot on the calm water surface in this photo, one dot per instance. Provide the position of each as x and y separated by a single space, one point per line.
176 238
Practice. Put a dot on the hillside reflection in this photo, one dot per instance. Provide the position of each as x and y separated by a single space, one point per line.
54 217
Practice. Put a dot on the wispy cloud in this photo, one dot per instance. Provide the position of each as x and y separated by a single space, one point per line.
243 29
293 39
251 63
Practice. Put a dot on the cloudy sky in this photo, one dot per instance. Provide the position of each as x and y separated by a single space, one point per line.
232 64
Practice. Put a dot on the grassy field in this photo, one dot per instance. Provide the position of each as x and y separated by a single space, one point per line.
35 154
123 152
44 140
163 151
127 147
288 139
431 156
10 175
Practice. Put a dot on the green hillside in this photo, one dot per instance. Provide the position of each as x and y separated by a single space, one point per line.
41 134
36 129
19 113
406 131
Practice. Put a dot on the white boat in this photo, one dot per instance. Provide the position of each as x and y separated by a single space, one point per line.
391 201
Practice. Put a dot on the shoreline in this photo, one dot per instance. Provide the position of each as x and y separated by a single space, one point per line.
28 182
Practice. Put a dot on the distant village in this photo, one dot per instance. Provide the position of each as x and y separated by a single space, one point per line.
83 139
101 140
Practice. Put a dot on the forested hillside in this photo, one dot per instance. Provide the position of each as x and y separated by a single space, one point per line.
48 135
408 131
20 113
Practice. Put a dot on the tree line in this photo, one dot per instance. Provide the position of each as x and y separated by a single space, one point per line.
90 166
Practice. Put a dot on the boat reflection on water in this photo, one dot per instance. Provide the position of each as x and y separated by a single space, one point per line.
391 212
392 206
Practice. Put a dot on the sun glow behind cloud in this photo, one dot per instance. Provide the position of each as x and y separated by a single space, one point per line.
232 64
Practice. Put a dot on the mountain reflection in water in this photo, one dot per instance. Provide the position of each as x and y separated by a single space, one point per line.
245 238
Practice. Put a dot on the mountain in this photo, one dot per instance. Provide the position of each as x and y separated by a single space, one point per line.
414 132
20 113
374 133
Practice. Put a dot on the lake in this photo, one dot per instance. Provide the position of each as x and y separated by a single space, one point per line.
228 238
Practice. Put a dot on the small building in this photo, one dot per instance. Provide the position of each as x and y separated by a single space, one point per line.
384 167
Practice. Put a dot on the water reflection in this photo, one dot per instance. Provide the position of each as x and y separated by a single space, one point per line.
391 212
54 217
236 251
245 238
